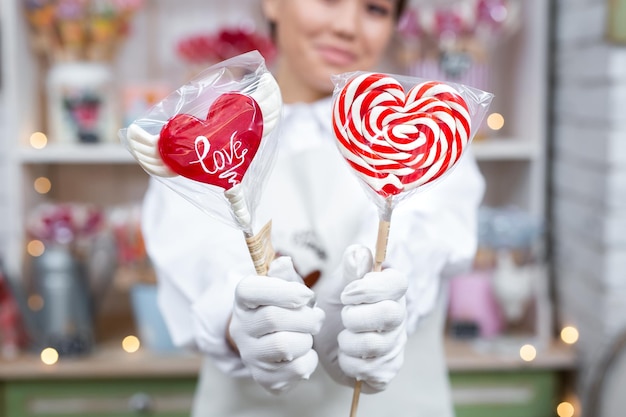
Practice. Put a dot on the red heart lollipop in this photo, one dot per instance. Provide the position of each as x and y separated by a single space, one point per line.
219 149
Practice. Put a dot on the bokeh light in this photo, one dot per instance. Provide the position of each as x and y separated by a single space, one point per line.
35 302
49 356
38 140
131 344
528 353
569 335
565 409
42 185
35 248
495 121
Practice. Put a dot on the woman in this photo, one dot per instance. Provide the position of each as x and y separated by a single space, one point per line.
265 337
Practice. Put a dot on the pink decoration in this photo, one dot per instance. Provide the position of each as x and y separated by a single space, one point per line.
493 13
448 23
484 20
472 300
409 25
65 222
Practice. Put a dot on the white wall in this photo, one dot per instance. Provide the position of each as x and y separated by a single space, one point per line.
3 179
3 157
589 182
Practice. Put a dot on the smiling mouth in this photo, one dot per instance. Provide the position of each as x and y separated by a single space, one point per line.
336 56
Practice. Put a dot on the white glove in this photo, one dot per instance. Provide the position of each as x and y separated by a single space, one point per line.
272 325
364 334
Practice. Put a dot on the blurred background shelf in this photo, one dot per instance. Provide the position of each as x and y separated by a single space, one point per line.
492 149
465 356
505 149
103 153
110 360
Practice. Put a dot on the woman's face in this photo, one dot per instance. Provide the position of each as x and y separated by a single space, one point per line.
319 38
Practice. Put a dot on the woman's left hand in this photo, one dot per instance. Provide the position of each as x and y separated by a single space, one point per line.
365 332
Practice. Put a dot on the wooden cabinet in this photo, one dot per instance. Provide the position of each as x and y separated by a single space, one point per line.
167 397
107 383
113 383
487 384
475 394
505 393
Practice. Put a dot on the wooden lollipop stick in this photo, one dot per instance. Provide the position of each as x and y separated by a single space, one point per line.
355 398
379 258
261 250
381 244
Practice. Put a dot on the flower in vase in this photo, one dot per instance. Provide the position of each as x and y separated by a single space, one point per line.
209 48
66 224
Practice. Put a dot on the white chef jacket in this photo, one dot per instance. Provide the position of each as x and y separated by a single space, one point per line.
318 208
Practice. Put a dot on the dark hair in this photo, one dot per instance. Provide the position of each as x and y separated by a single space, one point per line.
401 6
400 9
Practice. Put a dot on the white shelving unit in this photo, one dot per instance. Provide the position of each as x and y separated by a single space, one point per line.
513 163
506 149
109 153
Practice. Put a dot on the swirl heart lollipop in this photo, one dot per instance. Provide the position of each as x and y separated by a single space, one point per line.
397 141
213 140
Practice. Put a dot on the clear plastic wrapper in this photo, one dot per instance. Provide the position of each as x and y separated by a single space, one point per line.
401 135
213 140
213 137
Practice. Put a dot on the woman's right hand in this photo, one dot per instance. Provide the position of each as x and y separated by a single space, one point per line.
272 326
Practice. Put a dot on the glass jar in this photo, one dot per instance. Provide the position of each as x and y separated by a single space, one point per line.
81 102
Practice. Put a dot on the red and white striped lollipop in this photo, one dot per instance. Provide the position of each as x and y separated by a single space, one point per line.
398 141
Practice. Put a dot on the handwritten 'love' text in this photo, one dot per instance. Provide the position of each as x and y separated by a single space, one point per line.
223 162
